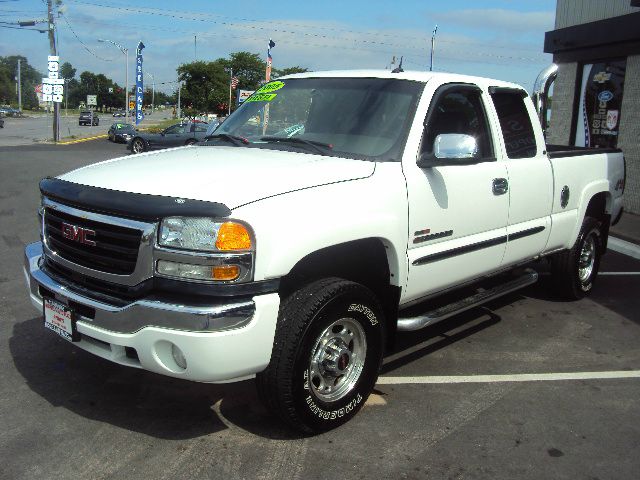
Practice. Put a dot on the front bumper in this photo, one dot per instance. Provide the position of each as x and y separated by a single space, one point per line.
220 342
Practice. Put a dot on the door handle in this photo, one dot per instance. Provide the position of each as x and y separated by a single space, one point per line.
500 186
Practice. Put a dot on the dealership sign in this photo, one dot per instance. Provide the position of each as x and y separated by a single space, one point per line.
53 85
244 94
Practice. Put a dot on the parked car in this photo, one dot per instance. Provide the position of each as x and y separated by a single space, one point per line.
173 136
119 113
121 132
88 118
10 112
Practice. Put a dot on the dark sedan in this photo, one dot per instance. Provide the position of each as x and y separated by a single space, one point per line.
121 132
174 136
88 118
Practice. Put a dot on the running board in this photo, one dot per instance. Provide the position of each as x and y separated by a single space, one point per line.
408 324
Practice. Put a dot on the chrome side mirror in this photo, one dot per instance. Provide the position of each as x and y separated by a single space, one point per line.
451 149
455 145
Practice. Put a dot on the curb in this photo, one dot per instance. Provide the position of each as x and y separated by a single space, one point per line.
80 140
624 247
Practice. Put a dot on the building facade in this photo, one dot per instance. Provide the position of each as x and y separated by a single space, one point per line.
596 95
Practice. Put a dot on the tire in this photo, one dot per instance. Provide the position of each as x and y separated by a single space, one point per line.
191 141
138 145
326 355
574 271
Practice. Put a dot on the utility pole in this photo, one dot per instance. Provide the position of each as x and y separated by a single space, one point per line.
230 80
53 51
195 47
179 88
433 46
19 88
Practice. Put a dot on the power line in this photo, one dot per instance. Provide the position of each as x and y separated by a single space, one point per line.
82 43
178 15
183 16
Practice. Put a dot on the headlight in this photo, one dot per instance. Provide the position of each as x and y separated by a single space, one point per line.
204 234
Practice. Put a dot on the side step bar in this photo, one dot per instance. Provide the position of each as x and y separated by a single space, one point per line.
408 324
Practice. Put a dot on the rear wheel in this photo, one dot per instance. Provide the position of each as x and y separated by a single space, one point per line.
191 141
326 356
137 145
574 271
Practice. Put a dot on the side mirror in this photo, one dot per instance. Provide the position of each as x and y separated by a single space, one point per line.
451 149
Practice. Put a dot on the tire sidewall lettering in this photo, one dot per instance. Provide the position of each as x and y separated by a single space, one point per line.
318 411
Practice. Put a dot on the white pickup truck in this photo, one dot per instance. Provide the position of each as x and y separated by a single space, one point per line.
290 245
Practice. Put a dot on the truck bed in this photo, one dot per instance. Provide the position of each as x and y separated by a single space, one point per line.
556 151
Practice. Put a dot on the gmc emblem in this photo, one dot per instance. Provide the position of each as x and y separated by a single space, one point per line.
78 234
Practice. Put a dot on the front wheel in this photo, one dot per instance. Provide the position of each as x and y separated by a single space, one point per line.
574 271
326 356
191 141
137 145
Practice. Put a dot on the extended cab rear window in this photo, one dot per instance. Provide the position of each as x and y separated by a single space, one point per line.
515 124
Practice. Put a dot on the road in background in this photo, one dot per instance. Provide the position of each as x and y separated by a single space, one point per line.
67 414
37 128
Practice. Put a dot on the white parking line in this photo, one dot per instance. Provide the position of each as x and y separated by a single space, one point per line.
622 246
524 377
618 273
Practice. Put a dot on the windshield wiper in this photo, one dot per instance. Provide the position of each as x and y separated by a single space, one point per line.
235 139
317 146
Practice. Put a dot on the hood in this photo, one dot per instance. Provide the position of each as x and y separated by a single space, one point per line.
229 175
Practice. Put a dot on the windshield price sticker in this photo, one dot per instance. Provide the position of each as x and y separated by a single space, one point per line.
261 97
270 87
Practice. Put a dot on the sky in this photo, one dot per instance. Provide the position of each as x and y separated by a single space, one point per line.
501 39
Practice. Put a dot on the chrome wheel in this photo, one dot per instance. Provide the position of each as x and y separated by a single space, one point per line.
337 359
587 259
138 146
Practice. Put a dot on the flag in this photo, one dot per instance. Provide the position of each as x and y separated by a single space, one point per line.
234 82
269 59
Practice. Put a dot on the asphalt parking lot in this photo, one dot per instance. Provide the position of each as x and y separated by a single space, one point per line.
524 387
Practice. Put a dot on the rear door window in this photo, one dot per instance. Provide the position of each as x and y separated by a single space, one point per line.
515 123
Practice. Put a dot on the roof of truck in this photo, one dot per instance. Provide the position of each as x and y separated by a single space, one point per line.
419 76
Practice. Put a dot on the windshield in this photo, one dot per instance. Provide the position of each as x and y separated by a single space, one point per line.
363 118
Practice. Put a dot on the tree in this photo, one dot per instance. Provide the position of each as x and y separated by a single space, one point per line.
277 73
205 87
30 77
67 71
248 67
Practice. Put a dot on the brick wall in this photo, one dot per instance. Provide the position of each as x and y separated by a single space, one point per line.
629 135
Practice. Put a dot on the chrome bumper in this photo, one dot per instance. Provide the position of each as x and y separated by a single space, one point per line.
138 314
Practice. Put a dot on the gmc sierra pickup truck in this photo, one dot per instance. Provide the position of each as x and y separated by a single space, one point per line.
329 212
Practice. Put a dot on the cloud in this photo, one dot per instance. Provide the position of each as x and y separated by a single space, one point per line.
498 19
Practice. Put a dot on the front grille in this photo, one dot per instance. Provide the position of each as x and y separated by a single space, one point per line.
115 250
95 288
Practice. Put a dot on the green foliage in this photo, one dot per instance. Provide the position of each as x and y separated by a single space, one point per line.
30 78
206 86
67 71
277 73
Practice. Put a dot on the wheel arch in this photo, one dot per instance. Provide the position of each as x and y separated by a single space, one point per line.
596 202
365 261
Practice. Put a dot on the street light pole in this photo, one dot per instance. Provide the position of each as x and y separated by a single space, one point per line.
153 91
126 85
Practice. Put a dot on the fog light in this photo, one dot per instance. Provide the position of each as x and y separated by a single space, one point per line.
178 356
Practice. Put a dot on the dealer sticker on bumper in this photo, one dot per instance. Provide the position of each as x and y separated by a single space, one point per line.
59 318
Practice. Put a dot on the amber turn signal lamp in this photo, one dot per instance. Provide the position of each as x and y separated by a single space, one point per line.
225 272
233 236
